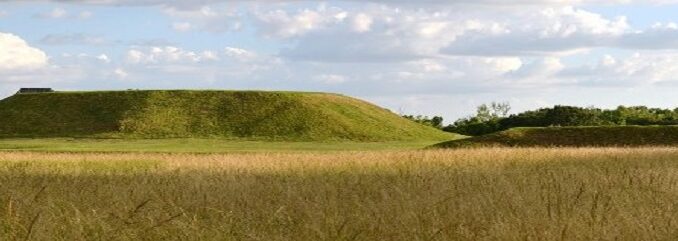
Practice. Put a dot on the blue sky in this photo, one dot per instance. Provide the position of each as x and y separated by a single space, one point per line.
434 57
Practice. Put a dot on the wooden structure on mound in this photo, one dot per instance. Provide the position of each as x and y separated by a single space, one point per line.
35 90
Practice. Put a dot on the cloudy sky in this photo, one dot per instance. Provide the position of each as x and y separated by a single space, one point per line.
434 57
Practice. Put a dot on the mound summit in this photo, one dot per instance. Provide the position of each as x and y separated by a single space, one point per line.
258 115
601 136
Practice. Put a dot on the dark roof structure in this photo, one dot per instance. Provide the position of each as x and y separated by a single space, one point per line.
35 90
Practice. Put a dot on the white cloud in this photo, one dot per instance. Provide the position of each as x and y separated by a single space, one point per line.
15 54
55 13
61 13
73 39
386 34
551 31
104 58
331 79
362 23
120 73
207 18
173 67
281 24
659 36
173 63
540 71
401 34
429 66
239 54
182 27
636 69
505 64
375 34
135 56
85 15
432 29
389 34
210 55
167 54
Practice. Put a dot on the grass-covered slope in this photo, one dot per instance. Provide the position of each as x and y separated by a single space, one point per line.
628 136
205 114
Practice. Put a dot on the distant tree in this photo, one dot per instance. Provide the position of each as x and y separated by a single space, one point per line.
483 113
500 110
486 120
436 121
494 117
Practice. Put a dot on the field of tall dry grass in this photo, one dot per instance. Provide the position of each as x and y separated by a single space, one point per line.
476 194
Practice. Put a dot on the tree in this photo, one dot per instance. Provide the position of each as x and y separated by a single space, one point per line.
486 120
436 121
483 113
500 110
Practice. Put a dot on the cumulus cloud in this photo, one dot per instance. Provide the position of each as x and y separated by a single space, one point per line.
167 54
85 15
541 71
103 58
636 69
232 68
659 36
61 13
240 54
120 73
207 18
16 54
279 23
175 66
73 39
550 31
182 27
378 34
362 22
55 13
386 34
331 79
175 55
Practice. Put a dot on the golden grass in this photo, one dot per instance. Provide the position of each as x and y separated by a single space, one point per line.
474 194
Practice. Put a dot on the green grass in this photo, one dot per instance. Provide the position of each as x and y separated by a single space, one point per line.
619 136
238 115
468 194
196 145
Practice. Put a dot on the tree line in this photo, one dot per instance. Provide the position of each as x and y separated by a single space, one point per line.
494 117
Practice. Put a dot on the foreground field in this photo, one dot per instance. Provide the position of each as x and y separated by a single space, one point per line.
473 194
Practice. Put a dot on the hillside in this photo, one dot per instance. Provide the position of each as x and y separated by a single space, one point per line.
573 137
255 115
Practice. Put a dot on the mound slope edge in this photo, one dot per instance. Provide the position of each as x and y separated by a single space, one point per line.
259 115
613 136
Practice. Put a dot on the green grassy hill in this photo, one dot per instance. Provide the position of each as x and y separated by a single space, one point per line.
254 115
628 136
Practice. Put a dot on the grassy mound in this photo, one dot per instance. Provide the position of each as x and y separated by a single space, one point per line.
256 115
628 136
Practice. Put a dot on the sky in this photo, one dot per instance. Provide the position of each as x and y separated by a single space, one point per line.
430 57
